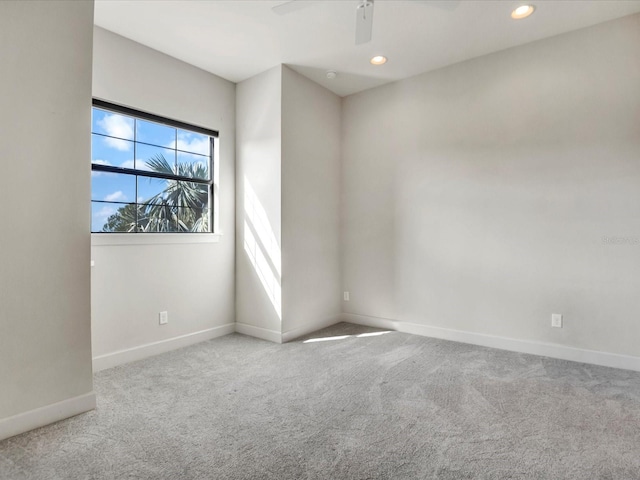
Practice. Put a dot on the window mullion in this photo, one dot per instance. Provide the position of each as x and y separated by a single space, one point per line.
112 161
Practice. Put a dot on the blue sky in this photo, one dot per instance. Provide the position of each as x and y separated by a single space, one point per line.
121 149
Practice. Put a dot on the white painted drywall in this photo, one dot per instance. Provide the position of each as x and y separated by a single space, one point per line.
258 214
194 282
45 340
311 116
483 197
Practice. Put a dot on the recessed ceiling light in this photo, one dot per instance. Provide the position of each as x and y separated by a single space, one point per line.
522 11
378 60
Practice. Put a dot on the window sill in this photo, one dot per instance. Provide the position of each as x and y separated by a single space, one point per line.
122 239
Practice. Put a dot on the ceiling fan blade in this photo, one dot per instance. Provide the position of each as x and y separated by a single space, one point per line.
443 4
291 6
364 22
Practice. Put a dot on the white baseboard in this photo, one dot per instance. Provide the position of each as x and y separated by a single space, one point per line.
39 417
368 321
120 357
258 332
552 350
311 327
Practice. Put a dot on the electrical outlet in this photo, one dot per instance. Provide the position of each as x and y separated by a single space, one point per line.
346 296
556 320
164 318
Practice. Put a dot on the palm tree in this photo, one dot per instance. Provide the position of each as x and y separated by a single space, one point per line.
124 220
180 207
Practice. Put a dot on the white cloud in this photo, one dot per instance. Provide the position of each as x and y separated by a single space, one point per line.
141 165
122 145
117 126
190 143
106 211
99 217
116 197
99 162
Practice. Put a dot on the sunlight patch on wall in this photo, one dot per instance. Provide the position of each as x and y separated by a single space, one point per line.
257 217
262 247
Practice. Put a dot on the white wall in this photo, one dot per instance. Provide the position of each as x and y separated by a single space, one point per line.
477 197
311 293
194 282
287 254
45 344
258 215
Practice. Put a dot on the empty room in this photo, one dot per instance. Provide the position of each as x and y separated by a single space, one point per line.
320 239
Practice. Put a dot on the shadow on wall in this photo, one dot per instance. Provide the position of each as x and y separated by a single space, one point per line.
262 247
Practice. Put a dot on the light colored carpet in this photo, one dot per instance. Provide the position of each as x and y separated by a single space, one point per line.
390 406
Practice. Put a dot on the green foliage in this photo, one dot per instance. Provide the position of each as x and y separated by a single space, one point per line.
180 207
124 220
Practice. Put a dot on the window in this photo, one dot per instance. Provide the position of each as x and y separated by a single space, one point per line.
149 174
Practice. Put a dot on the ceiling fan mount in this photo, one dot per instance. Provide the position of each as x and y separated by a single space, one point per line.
364 13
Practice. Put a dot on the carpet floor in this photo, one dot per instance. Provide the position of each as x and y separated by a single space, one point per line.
361 405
